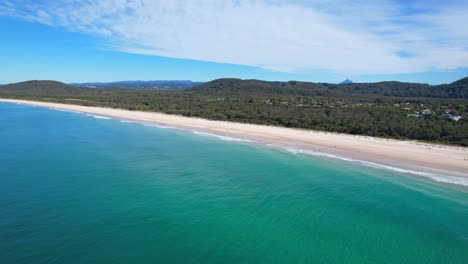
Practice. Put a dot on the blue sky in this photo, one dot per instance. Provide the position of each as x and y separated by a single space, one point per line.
201 40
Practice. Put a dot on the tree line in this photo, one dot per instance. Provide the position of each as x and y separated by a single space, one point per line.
405 114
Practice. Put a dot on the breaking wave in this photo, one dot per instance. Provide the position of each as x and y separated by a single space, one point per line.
221 137
98 116
436 177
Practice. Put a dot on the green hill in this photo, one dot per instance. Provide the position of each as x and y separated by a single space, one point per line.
36 87
458 89
435 113
257 87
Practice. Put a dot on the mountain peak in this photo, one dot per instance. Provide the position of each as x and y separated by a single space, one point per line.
346 81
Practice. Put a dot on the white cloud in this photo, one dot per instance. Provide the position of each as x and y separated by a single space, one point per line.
349 37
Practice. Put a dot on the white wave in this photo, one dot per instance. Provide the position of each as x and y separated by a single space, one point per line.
99 117
436 177
221 137
450 179
65 110
315 153
159 126
146 124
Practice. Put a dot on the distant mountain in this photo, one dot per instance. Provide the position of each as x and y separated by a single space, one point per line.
347 81
458 89
142 85
221 87
255 87
41 87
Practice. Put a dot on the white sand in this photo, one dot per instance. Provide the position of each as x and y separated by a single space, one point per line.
440 159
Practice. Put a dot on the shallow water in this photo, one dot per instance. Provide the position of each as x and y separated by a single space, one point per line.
79 189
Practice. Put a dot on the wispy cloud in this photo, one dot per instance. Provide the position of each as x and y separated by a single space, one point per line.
350 37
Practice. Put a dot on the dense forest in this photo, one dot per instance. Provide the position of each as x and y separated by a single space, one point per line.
387 109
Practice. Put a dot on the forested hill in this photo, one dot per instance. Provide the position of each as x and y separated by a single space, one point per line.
257 87
40 88
387 109
460 84
458 89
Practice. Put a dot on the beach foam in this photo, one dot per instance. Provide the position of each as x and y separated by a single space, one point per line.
221 137
98 116
68 111
160 126
436 177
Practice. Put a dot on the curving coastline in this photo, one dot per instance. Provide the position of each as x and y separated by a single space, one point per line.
409 156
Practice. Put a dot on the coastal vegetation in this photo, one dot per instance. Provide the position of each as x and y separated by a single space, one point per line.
433 113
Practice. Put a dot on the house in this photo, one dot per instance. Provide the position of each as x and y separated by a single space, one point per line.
427 112
454 118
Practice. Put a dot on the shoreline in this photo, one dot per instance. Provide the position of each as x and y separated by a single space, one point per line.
429 160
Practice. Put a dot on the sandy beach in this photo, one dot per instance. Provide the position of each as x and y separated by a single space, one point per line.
430 159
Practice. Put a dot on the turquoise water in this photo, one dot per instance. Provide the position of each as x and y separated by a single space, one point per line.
78 189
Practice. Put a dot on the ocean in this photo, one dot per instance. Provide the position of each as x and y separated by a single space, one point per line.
77 188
